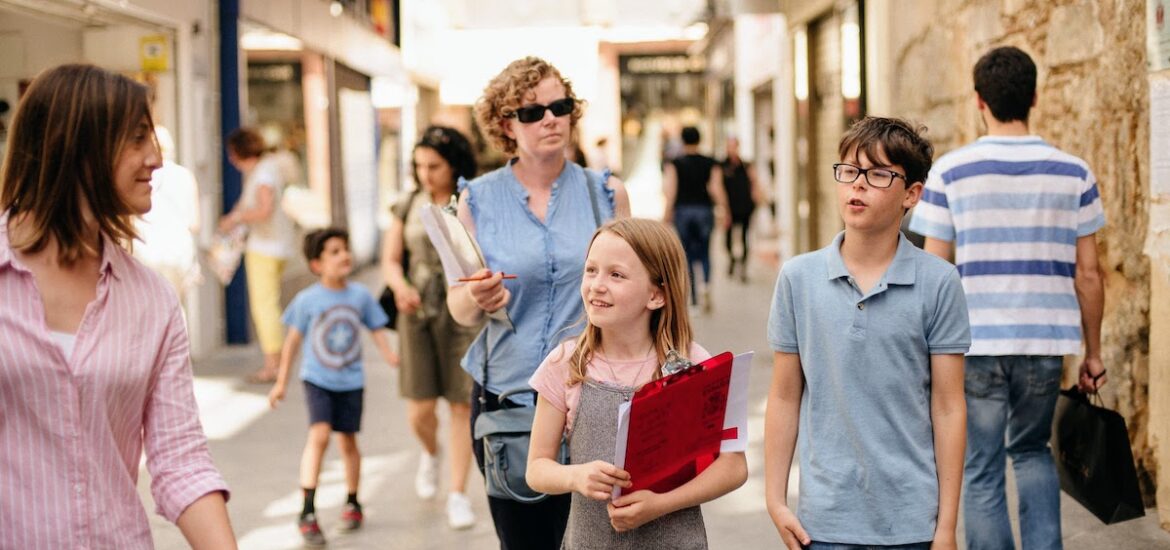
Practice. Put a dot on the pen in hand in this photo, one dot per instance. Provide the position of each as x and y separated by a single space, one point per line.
484 278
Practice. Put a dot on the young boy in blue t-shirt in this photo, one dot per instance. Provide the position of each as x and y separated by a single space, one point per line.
869 335
328 317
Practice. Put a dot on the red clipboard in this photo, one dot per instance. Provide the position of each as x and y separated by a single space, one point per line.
676 426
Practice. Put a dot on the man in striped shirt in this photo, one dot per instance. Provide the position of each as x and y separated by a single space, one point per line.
1022 217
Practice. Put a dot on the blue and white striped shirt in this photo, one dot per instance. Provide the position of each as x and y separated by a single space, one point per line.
1014 207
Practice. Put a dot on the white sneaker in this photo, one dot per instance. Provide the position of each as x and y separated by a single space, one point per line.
459 514
426 481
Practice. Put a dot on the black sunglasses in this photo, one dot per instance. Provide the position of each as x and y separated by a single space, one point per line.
535 111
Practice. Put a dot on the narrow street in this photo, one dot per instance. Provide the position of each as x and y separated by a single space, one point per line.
258 450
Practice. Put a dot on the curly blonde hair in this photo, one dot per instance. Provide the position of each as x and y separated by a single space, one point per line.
506 93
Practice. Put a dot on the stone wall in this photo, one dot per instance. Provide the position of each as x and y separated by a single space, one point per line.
1092 102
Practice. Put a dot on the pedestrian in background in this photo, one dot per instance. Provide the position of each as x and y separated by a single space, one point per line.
533 218
1025 216
328 318
743 194
634 291
270 241
432 343
869 335
693 186
94 362
167 234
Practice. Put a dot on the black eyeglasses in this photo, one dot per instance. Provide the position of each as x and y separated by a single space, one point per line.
875 177
535 111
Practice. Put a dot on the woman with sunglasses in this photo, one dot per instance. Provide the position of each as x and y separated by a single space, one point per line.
432 342
533 218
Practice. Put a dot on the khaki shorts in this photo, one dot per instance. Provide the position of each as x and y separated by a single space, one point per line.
431 351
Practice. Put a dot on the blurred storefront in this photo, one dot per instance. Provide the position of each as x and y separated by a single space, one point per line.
748 98
828 84
166 45
304 75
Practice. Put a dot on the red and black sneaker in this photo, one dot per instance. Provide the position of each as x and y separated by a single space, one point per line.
351 517
311 531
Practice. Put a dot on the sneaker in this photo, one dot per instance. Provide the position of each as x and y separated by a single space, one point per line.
426 481
706 300
351 517
311 531
459 514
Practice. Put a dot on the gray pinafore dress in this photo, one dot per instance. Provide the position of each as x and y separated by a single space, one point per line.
589 528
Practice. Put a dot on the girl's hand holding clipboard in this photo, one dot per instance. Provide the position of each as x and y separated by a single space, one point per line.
488 290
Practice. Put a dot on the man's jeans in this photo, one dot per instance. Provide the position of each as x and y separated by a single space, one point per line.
1013 396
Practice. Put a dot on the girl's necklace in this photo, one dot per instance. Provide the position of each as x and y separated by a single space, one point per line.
637 376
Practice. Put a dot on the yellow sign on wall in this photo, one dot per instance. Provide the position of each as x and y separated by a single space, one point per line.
152 53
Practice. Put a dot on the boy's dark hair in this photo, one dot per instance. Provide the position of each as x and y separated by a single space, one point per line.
1005 78
690 135
315 241
901 141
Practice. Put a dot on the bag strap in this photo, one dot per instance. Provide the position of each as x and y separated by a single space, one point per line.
405 260
483 387
592 198
409 204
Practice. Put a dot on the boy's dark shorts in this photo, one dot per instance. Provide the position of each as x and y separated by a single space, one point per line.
341 409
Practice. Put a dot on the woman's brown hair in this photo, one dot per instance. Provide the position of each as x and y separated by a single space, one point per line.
507 92
246 143
68 132
661 253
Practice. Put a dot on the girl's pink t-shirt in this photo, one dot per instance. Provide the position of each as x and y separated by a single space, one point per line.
552 377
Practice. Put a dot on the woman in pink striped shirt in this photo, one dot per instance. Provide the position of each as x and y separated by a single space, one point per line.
94 364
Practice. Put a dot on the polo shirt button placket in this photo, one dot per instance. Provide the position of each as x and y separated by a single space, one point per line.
861 306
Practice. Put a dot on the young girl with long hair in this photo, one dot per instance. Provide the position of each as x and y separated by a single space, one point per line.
94 361
635 293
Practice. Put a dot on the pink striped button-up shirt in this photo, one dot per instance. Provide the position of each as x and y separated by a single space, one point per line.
72 430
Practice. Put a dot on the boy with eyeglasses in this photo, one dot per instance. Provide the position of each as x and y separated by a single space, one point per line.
869 335
1022 217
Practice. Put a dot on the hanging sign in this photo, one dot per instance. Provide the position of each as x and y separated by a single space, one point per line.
152 53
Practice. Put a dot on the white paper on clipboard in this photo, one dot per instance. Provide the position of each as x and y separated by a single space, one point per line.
735 416
459 253
623 435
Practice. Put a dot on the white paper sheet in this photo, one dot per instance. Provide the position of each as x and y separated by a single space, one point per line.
735 416
623 434
458 252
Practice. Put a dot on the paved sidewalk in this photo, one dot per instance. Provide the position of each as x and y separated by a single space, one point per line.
258 451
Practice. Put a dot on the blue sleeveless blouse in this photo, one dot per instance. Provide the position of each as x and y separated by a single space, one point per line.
548 259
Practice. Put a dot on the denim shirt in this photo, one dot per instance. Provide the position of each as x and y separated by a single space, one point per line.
547 258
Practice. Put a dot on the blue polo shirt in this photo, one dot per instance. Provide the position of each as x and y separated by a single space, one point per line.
866 445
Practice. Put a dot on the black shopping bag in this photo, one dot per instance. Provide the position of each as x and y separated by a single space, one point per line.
1093 458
